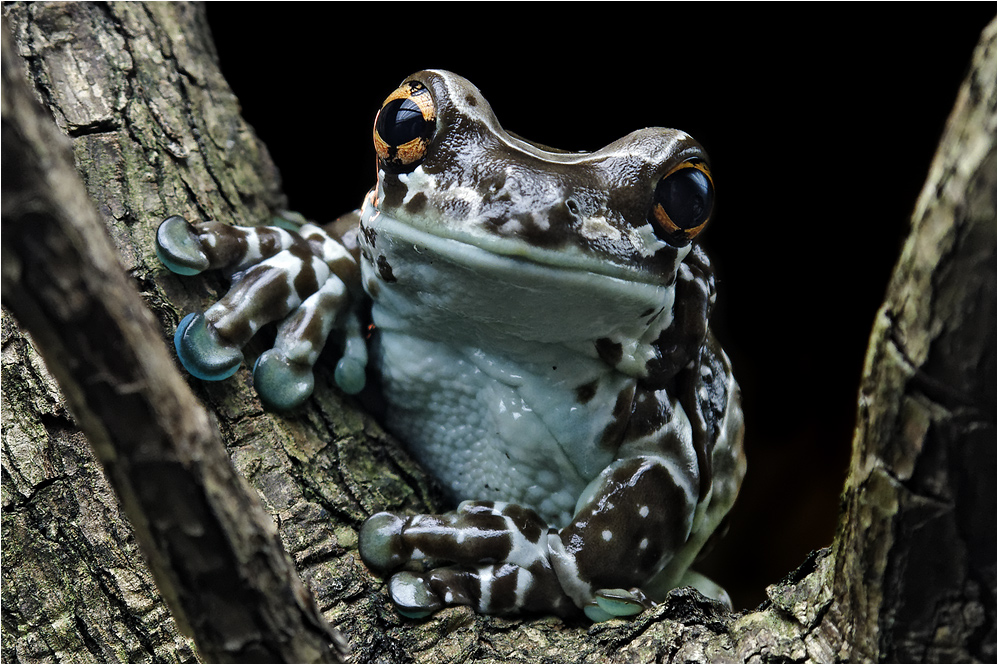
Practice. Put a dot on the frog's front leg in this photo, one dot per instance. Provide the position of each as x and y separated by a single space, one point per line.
505 559
301 278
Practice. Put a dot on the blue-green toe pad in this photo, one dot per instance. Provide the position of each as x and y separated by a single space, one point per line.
202 353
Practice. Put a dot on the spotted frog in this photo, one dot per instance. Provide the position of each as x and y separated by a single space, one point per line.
540 338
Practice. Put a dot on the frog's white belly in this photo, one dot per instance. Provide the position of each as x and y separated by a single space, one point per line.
495 430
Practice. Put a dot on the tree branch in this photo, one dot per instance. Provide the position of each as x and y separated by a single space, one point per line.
212 548
916 552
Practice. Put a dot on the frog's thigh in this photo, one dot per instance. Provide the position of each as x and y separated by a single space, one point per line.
629 524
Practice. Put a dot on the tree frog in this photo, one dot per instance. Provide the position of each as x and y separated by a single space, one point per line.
540 337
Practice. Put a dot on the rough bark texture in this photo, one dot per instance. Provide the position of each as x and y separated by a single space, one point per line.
155 130
916 550
213 550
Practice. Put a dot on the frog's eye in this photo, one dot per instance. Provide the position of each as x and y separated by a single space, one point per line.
404 127
683 202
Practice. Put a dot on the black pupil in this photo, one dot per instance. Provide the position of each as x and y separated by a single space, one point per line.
687 196
400 121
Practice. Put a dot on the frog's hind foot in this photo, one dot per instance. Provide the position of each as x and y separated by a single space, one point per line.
498 589
299 278
491 556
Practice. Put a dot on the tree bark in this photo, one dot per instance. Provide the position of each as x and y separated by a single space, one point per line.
212 549
155 130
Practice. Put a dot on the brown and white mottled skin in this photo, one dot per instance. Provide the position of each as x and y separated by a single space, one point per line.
542 343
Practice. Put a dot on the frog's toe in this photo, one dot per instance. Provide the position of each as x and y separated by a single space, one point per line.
178 247
351 375
283 375
203 353
281 383
616 603
413 596
381 545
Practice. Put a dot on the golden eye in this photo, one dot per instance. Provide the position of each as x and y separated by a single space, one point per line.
404 127
683 201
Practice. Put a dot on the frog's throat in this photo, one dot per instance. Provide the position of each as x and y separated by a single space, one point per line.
572 277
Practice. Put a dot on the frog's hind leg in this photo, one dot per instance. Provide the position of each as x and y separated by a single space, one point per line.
300 277
498 552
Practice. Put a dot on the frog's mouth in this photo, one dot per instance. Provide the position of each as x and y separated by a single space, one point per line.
444 280
470 243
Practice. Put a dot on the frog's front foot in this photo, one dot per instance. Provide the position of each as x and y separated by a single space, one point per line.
299 278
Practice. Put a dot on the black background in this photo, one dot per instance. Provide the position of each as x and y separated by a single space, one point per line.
820 121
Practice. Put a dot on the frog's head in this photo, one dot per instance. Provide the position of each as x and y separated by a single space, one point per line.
613 225
447 167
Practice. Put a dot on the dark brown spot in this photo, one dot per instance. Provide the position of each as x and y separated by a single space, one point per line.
229 246
585 392
395 191
705 411
463 586
346 269
260 297
613 434
270 241
370 236
502 591
650 414
306 282
416 204
527 522
544 593
314 332
611 352
385 269
680 343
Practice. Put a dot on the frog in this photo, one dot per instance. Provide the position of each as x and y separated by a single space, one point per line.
537 323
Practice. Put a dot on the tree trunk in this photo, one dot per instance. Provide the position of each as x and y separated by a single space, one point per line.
154 131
